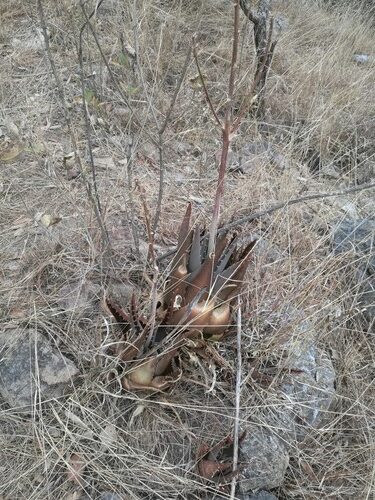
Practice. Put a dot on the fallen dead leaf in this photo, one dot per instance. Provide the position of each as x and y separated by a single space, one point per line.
18 313
138 411
196 82
49 220
105 163
36 148
76 467
12 129
108 437
76 420
11 152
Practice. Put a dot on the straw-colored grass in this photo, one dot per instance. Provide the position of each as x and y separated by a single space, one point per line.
318 101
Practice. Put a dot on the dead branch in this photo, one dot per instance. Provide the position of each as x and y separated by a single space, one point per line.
85 110
134 120
226 133
277 206
152 259
263 47
161 140
61 94
205 90
129 159
261 73
293 201
129 187
231 124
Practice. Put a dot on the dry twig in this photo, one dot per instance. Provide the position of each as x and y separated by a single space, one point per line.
277 206
68 121
293 201
161 140
84 106
226 133
238 400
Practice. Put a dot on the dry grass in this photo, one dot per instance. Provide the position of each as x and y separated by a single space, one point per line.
319 100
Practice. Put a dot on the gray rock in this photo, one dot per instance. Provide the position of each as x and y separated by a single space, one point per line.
79 299
365 171
253 154
362 58
307 384
264 460
309 393
109 495
304 381
30 369
358 237
258 153
280 161
330 172
260 495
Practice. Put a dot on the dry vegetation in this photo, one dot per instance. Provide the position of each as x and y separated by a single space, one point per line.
320 104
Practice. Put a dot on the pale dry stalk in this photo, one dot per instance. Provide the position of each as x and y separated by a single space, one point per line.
238 399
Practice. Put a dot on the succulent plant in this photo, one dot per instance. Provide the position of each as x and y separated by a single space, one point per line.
196 303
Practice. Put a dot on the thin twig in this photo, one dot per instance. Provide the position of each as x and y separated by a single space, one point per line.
246 9
238 400
161 182
84 106
114 80
205 90
150 233
161 140
129 186
233 63
266 61
263 47
69 124
226 134
277 206
293 201
152 258
177 90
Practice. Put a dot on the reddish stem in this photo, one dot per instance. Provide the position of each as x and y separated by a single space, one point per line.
227 136
220 187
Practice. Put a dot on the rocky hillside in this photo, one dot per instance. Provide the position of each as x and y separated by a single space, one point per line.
107 133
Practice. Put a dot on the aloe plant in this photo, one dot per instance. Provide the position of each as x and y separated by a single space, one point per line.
196 303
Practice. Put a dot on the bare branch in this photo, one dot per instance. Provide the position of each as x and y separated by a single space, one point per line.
207 95
114 80
161 140
227 136
152 259
247 11
150 233
85 111
69 124
280 205
293 201
177 90
233 64
129 171
261 73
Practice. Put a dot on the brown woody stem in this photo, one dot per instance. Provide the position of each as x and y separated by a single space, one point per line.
226 134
